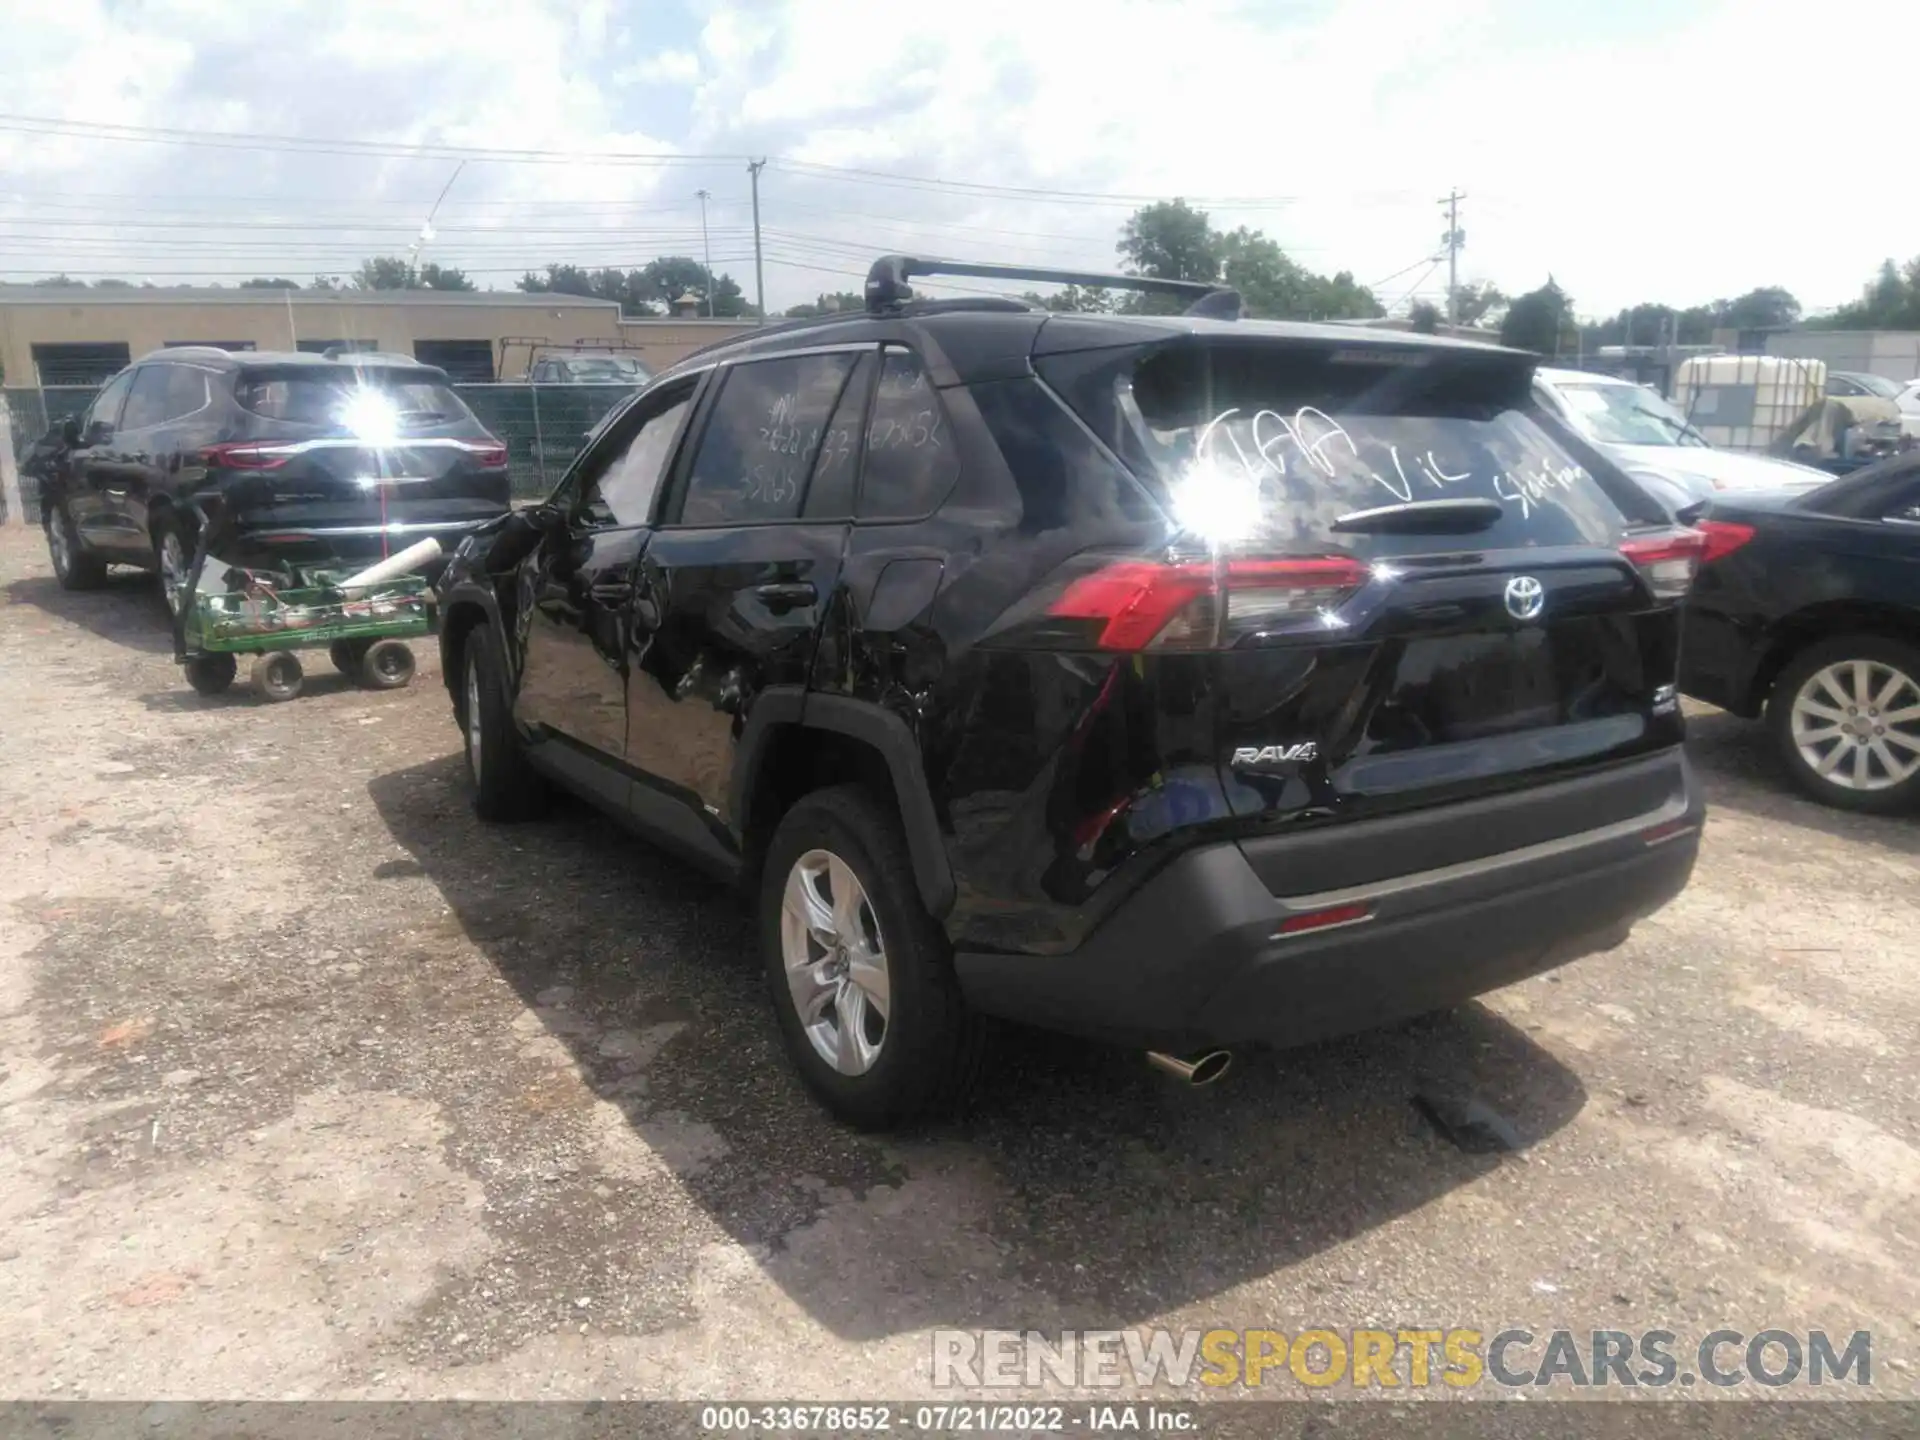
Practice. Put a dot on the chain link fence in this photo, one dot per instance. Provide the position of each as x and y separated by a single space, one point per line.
542 426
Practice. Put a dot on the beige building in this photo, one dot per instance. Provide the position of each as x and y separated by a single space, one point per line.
58 336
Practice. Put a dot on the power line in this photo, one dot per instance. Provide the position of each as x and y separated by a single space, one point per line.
255 140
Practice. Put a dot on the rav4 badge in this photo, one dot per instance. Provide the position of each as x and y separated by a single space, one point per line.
1274 754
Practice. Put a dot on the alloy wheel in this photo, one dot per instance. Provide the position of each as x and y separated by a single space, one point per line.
1856 725
836 962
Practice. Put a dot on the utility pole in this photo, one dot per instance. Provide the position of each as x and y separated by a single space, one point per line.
1453 239
759 274
706 247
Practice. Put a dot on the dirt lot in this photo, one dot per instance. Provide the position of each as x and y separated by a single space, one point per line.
310 1085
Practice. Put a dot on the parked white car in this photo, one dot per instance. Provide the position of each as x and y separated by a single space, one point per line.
1654 443
1909 402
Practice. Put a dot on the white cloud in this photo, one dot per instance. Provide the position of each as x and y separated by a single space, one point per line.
1683 152
668 67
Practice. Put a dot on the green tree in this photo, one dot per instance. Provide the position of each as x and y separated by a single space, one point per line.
260 282
1540 321
444 277
1890 301
385 272
1171 240
1424 317
1073 299
1342 298
64 281
837 303
1768 308
1471 303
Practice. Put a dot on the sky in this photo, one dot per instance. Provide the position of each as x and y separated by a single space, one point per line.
1634 150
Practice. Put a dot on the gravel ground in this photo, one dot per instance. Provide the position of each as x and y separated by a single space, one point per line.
312 1086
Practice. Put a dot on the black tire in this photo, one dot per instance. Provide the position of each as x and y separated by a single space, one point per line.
933 1048
277 675
387 665
169 532
74 566
347 655
1885 658
212 674
505 786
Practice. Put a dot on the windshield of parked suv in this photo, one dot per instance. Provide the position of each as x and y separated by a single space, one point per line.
329 398
1627 415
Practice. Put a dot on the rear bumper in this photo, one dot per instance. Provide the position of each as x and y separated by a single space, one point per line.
1197 956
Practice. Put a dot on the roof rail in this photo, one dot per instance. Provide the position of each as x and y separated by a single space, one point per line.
887 286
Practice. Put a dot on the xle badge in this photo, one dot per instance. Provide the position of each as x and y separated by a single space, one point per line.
1274 754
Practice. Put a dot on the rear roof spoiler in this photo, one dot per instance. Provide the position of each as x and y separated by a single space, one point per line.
888 287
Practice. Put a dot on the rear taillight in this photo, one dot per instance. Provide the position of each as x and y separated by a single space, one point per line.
1144 605
1723 538
1667 561
490 457
242 457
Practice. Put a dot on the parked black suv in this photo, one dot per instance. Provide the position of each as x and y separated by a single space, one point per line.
1808 606
325 456
1173 680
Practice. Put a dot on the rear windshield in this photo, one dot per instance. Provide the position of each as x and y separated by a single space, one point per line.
1268 444
332 398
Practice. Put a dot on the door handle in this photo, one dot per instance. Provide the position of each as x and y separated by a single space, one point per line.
611 592
787 594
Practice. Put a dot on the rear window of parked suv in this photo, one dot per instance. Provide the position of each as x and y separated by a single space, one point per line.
1268 444
321 398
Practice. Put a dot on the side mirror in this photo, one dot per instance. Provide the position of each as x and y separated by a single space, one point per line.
70 430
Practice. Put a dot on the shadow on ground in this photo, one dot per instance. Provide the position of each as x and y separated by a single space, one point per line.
1742 770
126 609
1080 1174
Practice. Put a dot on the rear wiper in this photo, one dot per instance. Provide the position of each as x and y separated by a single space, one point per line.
1425 517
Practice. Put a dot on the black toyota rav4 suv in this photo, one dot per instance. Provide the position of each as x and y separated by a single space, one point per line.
328 457
1174 680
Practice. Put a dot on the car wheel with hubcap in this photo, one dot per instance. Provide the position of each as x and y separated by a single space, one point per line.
505 786
1846 718
73 565
861 976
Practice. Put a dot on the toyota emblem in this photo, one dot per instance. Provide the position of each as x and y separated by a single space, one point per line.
1526 597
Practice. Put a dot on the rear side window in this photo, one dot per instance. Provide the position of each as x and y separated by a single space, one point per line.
766 430
910 461
1267 445
330 399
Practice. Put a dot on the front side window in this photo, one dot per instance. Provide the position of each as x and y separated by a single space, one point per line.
622 492
766 430
147 402
105 409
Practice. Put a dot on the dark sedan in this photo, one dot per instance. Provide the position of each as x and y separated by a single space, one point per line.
1807 609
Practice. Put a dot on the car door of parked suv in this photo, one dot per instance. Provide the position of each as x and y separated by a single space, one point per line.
90 468
576 594
733 587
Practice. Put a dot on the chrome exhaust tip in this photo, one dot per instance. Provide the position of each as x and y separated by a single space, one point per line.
1203 1069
